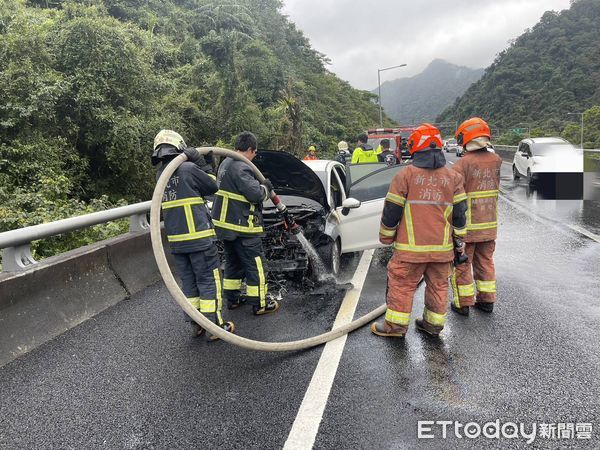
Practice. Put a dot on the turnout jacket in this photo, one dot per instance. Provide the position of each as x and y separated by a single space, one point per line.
424 207
237 209
364 154
481 172
186 217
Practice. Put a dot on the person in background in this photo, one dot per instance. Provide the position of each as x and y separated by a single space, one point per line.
343 155
312 154
386 155
363 153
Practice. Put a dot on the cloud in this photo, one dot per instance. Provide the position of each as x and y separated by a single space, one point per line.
360 36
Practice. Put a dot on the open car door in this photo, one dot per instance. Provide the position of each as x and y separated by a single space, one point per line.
359 228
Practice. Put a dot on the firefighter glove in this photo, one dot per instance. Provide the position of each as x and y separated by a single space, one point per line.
194 156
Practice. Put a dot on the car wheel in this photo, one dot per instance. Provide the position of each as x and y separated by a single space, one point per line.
330 255
516 174
530 177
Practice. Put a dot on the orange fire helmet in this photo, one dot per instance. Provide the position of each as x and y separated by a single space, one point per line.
471 129
424 137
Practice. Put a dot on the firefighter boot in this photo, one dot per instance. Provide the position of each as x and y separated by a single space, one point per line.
227 326
235 300
270 307
463 311
426 327
197 330
387 329
485 307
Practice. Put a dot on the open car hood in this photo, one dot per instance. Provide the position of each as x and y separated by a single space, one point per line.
290 176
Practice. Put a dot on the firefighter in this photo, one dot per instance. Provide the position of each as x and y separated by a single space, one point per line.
189 228
386 155
343 155
424 208
312 154
363 153
237 215
480 169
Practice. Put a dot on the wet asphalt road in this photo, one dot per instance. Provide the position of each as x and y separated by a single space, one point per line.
132 377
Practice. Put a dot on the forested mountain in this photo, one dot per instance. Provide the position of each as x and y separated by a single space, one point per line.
85 86
423 97
549 71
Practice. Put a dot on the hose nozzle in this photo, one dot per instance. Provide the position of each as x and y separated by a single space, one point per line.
460 257
290 223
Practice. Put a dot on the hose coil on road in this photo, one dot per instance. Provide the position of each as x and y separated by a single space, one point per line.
199 318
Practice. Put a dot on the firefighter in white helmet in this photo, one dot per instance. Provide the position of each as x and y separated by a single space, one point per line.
190 232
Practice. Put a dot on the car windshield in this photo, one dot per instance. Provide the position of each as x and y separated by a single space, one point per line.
552 149
374 142
451 141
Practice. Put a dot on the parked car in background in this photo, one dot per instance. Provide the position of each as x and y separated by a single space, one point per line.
451 146
460 151
547 155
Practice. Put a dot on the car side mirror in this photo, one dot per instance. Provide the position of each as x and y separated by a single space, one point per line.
348 204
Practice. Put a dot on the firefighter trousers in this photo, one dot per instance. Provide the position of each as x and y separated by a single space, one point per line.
403 280
244 260
201 281
476 276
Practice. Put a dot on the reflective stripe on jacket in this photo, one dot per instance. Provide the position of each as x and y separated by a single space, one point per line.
186 217
364 154
424 199
237 209
481 172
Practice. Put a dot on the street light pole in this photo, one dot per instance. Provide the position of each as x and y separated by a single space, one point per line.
581 114
379 98
379 89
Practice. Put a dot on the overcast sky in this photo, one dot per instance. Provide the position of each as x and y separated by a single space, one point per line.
360 36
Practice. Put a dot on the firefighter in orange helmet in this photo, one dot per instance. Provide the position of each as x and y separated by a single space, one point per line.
424 209
480 169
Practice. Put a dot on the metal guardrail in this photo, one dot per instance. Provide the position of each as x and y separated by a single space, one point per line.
16 244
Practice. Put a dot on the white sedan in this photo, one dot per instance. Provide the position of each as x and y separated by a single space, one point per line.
548 155
338 207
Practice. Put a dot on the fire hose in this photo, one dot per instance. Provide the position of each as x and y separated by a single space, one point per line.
197 316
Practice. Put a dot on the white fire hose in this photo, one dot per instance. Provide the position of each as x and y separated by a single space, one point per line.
195 315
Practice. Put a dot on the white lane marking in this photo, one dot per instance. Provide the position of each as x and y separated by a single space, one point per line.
583 231
450 162
306 425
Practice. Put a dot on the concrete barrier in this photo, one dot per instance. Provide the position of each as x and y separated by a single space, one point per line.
59 293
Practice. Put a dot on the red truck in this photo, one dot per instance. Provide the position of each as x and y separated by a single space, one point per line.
397 137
